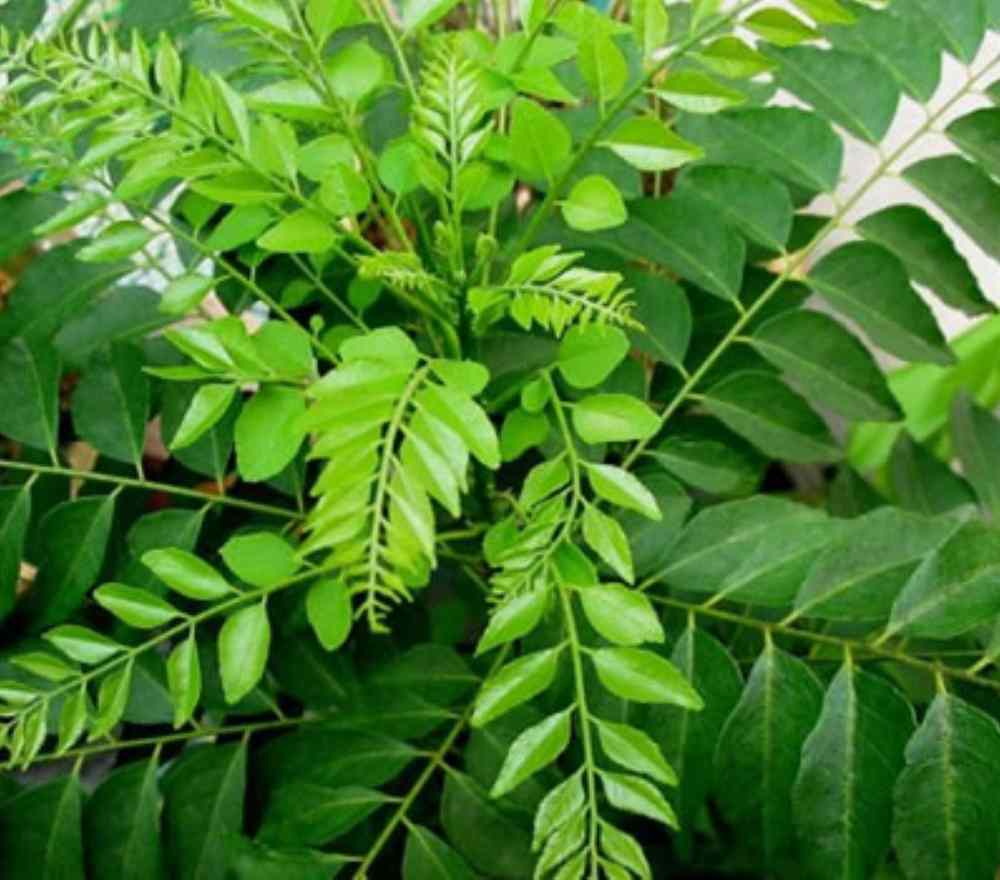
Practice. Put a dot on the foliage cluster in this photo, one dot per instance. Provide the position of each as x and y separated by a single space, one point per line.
432 447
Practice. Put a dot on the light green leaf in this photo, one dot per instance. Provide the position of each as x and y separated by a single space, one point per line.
594 204
635 795
634 750
695 92
186 574
244 644
304 232
112 698
780 27
422 13
241 225
602 66
207 407
540 143
842 797
268 435
623 489
184 294
344 191
608 540
558 807
118 241
732 58
82 644
647 144
138 608
328 607
514 684
73 719
355 71
184 680
589 354
513 619
643 677
44 665
262 559
622 616
535 748
609 418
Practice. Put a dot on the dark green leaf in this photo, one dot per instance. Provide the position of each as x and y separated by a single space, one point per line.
29 393
40 831
976 434
427 857
308 814
15 513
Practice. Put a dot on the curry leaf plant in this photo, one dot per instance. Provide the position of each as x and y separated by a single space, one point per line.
454 440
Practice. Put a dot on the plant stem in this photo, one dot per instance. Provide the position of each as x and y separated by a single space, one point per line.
150 486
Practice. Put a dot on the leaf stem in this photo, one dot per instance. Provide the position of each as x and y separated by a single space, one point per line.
150 486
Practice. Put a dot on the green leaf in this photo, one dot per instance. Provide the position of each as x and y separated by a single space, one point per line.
622 616
929 255
975 134
185 294
623 489
602 66
648 145
427 857
842 799
268 15
825 11
689 738
540 143
303 232
608 540
751 202
589 354
44 665
112 699
758 755
625 850
663 310
609 418
422 13
186 574
922 482
827 79
695 92
15 513
948 794
118 241
29 393
643 677
209 404
635 795
955 589
267 432
520 432
634 750
302 813
466 418
241 225
960 33
40 833
262 559
138 608
203 802
859 575
713 461
73 719
344 192
830 365
780 27
870 286
976 435
515 683
558 807
965 192
535 748
761 408
794 144
122 825
732 58
513 619
594 204
244 644
82 644
328 607
74 535
184 680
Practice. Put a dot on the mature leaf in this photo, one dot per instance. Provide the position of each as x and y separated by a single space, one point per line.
589 354
775 419
635 795
960 33
757 758
929 255
209 404
634 750
187 574
514 619
427 857
608 540
922 482
304 813
830 365
267 433
609 418
948 795
203 802
15 513
540 142
122 825
870 286
976 434
643 677
138 608
40 833
29 393
514 684
184 679
75 536
535 748
622 616
842 797
262 559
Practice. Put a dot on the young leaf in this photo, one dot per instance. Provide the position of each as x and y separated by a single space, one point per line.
112 697
73 719
622 616
138 608
608 540
643 677
540 143
621 488
184 294
210 403
262 559
976 434
328 607
186 574
83 645
514 619
594 204
304 232
244 644
635 795
589 354
514 684
267 432
534 749
634 750
558 807
118 241
647 144
184 680
609 418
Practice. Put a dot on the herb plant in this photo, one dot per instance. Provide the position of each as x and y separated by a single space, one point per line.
434 448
